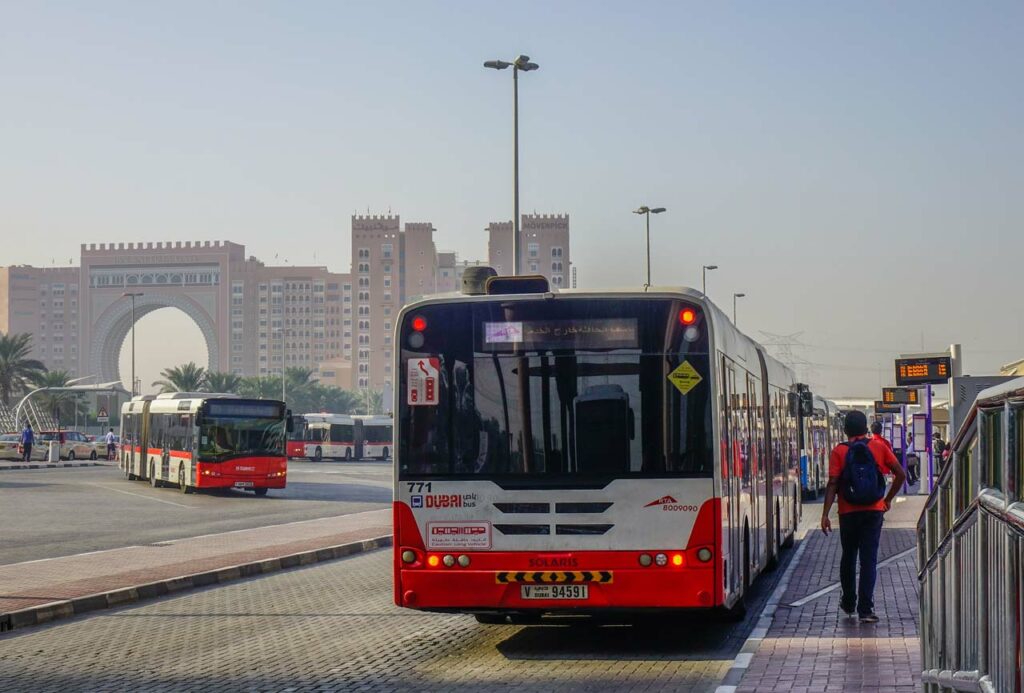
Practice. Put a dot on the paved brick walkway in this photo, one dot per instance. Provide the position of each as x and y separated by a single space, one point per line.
32 583
812 646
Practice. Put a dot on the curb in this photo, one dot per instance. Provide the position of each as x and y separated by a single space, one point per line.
742 661
44 613
56 465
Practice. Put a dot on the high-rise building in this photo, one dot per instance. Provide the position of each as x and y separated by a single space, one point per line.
543 247
257 319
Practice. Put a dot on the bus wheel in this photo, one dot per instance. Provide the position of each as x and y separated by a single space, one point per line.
260 491
182 486
318 454
385 454
348 454
153 481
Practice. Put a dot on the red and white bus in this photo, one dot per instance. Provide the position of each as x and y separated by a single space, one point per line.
582 451
330 436
296 443
200 441
374 434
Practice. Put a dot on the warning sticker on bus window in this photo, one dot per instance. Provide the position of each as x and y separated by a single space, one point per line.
685 377
422 381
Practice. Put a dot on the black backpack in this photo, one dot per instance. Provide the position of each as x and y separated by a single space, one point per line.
861 483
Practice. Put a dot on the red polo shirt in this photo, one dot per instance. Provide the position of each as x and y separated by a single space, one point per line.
884 458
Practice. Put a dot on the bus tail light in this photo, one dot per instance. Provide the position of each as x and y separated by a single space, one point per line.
704 554
687 316
412 558
464 561
448 560
661 559
433 561
419 323
645 559
677 559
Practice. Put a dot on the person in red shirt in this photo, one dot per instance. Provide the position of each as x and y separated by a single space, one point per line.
860 526
876 434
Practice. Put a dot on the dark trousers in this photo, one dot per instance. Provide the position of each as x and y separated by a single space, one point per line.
28 452
859 533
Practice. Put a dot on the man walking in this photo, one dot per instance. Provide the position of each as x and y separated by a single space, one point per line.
110 439
27 438
856 472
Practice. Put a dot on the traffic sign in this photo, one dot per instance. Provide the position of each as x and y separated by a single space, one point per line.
900 395
929 370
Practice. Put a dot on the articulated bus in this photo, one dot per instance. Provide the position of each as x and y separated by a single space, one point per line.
199 441
374 434
819 434
296 443
576 452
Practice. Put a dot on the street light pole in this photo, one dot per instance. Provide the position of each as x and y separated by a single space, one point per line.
704 277
133 295
523 63
734 297
647 212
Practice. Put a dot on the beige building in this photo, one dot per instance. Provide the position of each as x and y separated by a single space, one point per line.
257 319
543 248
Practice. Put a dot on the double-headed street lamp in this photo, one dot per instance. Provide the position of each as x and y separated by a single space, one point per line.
704 277
647 212
520 63
133 296
734 297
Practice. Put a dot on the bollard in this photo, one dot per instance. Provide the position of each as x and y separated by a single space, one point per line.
53 454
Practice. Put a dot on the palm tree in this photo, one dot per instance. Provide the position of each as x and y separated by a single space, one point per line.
185 378
16 368
260 388
59 403
218 381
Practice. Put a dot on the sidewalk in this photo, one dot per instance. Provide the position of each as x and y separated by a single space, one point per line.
812 646
37 591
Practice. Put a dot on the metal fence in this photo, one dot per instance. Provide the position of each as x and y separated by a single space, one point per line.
971 551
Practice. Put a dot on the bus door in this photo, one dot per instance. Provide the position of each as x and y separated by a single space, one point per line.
732 473
754 471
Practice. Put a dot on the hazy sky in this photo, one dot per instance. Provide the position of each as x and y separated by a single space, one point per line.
855 168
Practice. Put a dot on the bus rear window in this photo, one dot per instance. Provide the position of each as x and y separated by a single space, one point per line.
558 388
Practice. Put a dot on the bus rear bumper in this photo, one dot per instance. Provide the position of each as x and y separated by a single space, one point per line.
480 591
240 482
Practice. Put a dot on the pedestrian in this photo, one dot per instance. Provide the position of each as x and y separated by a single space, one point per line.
938 445
111 445
856 474
876 433
27 438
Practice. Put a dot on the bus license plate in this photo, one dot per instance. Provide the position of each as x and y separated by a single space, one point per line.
555 591
244 484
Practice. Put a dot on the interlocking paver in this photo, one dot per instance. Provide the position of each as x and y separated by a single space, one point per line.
333 627
816 647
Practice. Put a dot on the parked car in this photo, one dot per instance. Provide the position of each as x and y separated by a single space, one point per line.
10 448
73 444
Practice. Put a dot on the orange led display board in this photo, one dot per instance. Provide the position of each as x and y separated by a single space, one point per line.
900 395
933 370
887 408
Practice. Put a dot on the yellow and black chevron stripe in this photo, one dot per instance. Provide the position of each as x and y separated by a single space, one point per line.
556 577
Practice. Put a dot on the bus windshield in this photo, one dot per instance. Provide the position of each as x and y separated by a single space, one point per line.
224 438
570 387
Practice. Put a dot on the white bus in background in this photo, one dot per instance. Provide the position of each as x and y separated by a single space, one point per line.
330 436
374 436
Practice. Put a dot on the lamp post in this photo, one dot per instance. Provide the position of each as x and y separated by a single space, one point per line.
133 295
520 63
647 212
734 297
284 361
704 277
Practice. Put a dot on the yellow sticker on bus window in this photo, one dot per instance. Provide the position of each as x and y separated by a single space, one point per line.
685 377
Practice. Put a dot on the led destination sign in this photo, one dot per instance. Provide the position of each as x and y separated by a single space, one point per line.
562 334
931 370
886 408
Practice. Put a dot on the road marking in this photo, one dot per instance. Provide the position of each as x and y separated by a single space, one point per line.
139 495
73 555
834 586
283 524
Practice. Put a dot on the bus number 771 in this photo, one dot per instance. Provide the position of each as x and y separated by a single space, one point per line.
419 486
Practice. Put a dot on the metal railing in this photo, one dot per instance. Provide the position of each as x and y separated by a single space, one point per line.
971 554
